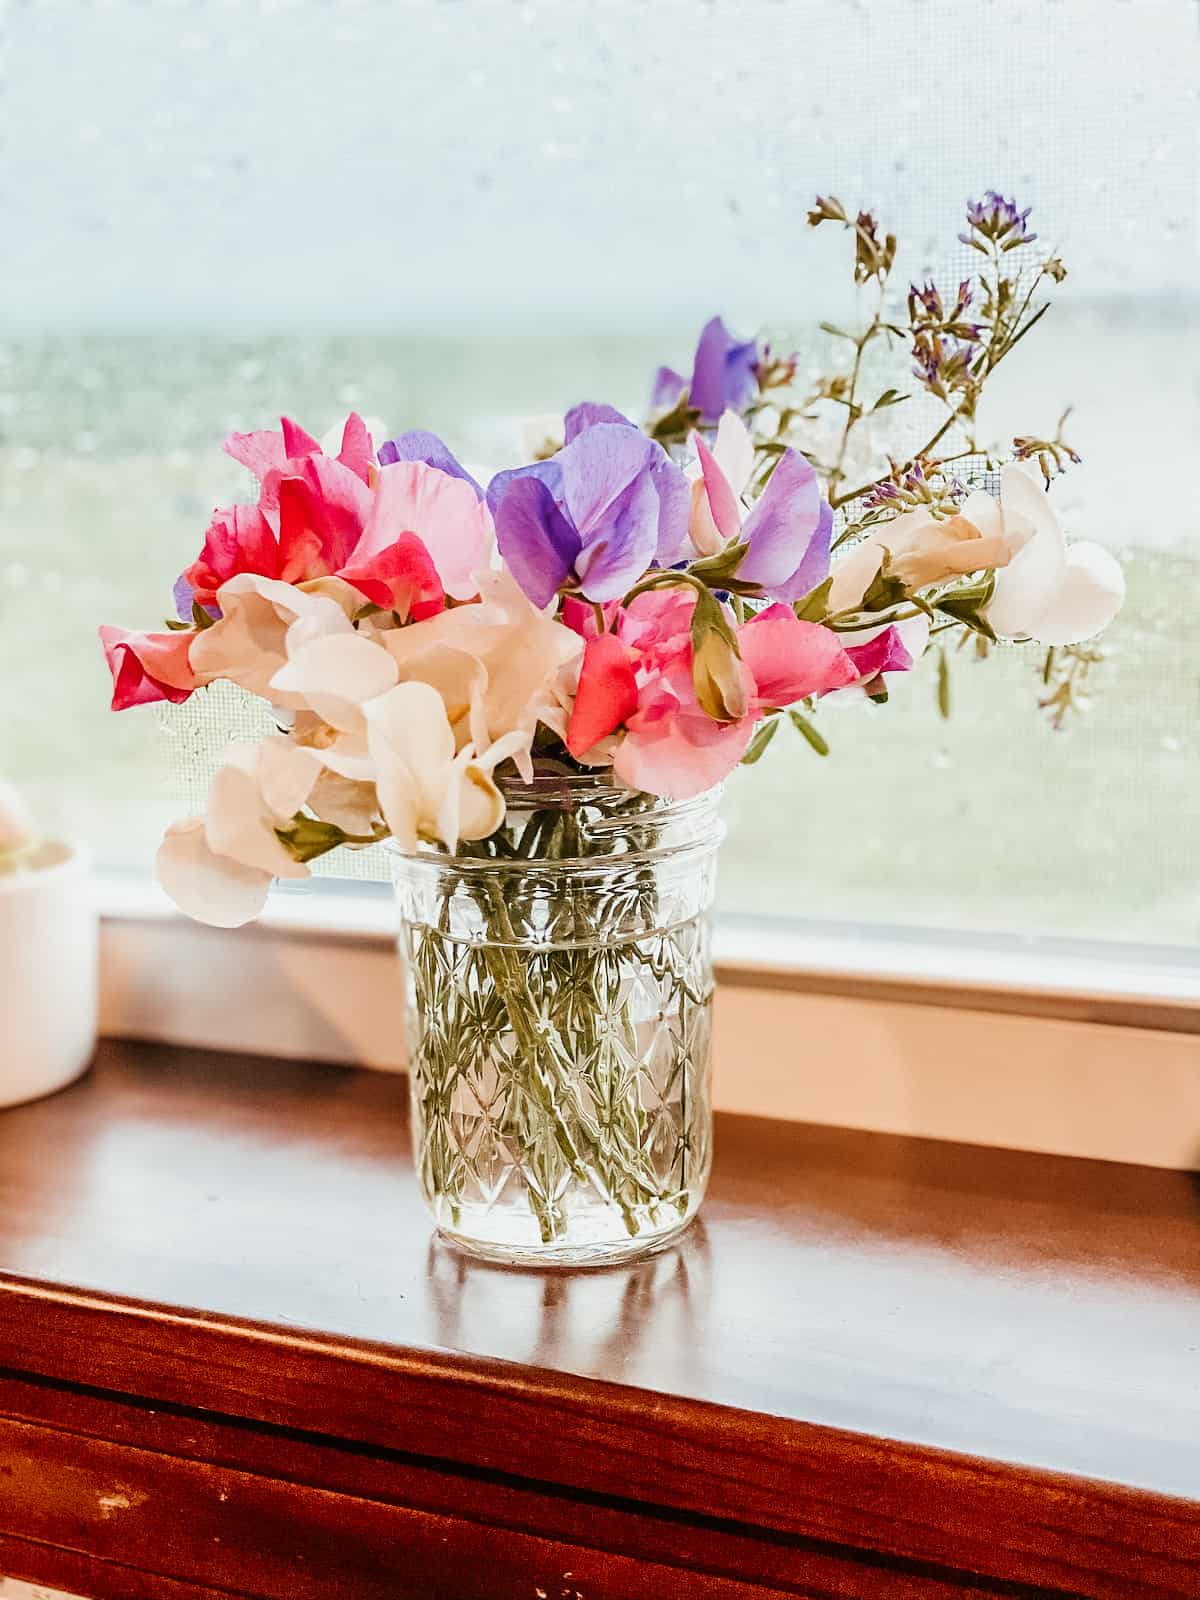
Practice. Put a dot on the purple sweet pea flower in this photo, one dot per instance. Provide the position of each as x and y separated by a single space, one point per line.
587 414
724 376
602 511
417 445
789 532
668 386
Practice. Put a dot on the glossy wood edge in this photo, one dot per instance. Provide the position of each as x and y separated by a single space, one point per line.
1007 1522
101 1478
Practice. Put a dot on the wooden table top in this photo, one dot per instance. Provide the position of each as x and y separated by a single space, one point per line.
246 1235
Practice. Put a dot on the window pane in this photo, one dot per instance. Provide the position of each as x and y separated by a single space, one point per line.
455 214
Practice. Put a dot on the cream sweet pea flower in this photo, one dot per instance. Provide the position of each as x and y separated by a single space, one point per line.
1052 591
249 644
218 868
924 549
427 789
500 666
1046 589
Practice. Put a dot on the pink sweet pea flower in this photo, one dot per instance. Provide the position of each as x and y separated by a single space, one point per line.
147 667
641 676
238 540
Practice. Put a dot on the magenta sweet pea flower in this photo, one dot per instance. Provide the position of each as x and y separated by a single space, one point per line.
609 505
724 375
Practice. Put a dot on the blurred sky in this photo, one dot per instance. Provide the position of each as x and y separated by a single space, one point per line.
565 165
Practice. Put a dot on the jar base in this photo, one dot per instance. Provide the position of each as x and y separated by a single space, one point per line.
567 1256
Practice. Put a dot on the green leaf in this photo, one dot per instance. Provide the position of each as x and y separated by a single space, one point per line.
836 332
716 570
676 423
804 727
760 741
814 607
174 624
889 397
967 604
200 617
885 591
943 683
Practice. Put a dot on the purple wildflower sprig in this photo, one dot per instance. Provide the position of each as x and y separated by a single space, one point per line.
957 345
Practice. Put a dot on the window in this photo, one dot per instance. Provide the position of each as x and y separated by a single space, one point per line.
451 213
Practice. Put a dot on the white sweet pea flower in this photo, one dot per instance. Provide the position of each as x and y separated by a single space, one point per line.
249 644
733 451
219 868
427 789
333 675
1052 591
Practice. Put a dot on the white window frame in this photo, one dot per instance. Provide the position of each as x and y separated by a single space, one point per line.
1035 1044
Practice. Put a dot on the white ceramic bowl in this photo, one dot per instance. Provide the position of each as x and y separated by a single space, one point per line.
48 974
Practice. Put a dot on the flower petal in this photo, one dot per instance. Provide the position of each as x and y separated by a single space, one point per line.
445 513
335 676
418 445
535 538
607 692
147 667
718 492
209 887
262 451
402 577
357 451
723 373
587 414
667 388
788 532
1089 596
789 659
734 451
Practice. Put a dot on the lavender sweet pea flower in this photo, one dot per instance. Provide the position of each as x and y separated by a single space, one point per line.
587 414
417 445
789 532
723 376
668 386
600 512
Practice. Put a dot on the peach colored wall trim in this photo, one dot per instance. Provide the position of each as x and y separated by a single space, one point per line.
1027 1082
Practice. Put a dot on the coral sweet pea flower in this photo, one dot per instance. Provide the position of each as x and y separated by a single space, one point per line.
147 667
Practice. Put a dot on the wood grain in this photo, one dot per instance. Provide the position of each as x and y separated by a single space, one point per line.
880 1366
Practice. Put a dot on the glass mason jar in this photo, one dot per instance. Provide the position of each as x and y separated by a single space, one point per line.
559 1014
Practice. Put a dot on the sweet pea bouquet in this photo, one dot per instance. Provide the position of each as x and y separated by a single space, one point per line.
654 599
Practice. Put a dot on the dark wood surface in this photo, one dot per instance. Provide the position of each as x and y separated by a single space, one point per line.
876 1367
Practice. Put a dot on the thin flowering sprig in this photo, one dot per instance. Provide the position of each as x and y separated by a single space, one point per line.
1051 455
956 343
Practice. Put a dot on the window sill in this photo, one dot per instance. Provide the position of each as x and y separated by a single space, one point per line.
1028 1044
861 1372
